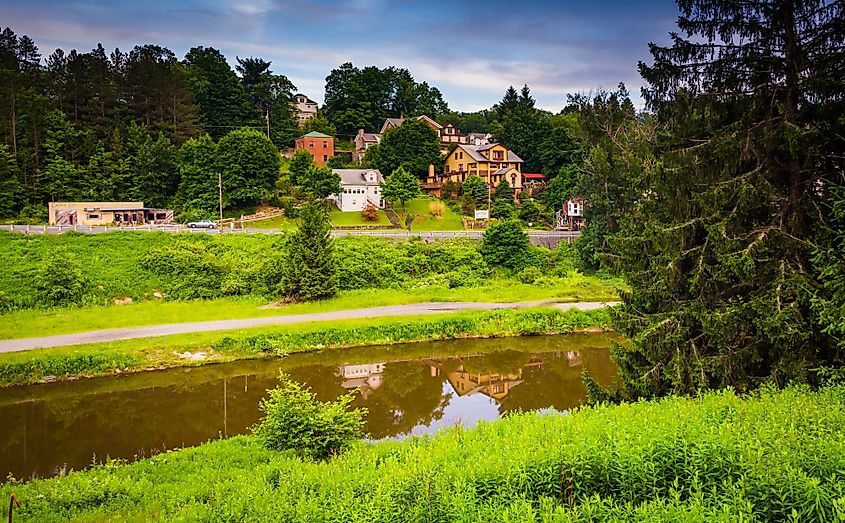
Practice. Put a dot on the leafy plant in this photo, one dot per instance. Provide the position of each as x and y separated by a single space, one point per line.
505 244
295 420
59 280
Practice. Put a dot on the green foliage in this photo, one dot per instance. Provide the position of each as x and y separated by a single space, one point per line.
505 244
400 187
829 263
59 280
198 172
718 250
529 274
477 189
310 271
773 456
250 165
412 146
301 162
320 182
363 98
295 420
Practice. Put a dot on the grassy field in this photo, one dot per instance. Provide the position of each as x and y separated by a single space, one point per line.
346 219
221 346
425 222
278 222
772 456
50 322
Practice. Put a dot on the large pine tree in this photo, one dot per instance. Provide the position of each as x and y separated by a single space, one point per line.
718 248
310 272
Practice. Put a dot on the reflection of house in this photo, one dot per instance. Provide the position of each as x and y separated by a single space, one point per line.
573 358
496 386
358 187
306 108
493 163
571 215
105 213
366 377
321 146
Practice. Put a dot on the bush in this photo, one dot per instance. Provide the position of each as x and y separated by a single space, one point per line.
437 209
369 213
295 420
505 244
529 275
59 280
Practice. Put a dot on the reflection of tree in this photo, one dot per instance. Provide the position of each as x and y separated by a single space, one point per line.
409 396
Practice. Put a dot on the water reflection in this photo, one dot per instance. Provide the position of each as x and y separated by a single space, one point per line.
408 389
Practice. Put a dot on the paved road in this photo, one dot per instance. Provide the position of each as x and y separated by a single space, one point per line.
542 238
207 326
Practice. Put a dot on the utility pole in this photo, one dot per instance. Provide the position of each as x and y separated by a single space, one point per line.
220 192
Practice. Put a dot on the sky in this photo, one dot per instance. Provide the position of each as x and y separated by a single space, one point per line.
470 50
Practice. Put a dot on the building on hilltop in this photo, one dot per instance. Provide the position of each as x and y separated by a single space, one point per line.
493 163
358 188
363 141
305 107
321 146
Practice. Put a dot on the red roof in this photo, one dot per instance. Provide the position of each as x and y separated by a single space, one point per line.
534 176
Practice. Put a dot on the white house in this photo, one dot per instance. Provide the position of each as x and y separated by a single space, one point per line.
359 187
305 107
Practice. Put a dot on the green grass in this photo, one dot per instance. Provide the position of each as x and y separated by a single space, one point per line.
277 222
29 323
425 222
347 219
221 346
773 456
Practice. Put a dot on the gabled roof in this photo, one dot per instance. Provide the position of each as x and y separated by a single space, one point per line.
474 152
390 123
358 176
307 100
371 137
315 134
504 170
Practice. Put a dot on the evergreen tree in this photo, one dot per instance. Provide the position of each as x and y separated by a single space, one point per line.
718 251
505 244
310 272
477 188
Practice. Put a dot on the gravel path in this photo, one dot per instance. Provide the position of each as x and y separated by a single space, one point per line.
220 325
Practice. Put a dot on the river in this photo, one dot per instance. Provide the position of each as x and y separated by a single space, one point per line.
409 389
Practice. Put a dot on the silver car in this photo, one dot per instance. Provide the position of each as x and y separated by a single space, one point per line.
203 224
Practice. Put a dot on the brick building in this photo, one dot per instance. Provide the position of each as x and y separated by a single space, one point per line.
321 146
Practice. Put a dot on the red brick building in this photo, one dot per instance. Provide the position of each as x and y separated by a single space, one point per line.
321 146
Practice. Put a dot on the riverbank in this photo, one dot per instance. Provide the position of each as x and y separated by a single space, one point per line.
771 456
62 363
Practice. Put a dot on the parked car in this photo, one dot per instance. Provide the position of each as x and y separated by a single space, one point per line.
203 224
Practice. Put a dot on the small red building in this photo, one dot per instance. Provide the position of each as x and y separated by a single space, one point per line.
321 146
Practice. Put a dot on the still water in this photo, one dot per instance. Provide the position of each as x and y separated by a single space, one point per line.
408 389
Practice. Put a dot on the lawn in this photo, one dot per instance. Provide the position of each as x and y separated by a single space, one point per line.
346 219
52 322
277 222
424 221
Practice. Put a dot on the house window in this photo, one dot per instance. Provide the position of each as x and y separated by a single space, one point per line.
460 167
311 145
325 157
325 145
93 216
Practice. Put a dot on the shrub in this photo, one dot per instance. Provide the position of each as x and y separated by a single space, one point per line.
529 275
505 244
310 270
295 420
437 209
369 213
59 280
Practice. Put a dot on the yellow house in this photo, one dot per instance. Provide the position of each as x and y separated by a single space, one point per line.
493 163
